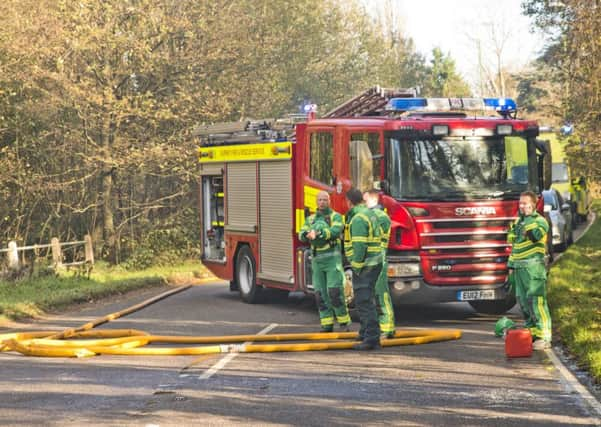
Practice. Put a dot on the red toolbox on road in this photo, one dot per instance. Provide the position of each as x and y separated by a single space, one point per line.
518 343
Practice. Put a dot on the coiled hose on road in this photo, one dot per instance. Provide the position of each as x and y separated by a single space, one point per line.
85 342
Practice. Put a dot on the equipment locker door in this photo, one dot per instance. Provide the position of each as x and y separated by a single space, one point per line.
276 222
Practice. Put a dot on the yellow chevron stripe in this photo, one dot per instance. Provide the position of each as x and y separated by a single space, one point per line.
310 196
300 220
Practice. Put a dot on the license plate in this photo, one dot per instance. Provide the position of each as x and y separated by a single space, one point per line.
475 295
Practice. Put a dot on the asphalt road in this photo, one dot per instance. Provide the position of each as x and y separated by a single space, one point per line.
467 382
464 382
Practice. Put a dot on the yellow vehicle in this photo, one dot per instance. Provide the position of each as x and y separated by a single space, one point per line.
571 186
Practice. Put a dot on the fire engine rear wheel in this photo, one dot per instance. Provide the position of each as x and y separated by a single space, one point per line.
246 275
493 307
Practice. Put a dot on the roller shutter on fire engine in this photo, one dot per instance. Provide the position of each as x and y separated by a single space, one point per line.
241 197
276 216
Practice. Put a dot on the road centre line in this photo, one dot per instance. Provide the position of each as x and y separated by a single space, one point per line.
228 357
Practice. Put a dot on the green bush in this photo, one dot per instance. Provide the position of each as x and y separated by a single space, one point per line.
575 298
163 247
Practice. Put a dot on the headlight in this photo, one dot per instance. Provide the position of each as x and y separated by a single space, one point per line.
403 270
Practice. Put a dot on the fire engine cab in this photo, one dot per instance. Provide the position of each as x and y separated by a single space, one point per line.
449 170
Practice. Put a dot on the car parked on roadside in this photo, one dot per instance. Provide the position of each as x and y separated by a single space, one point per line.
560 214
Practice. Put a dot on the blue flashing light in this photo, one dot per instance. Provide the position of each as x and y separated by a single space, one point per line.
502 105
406 104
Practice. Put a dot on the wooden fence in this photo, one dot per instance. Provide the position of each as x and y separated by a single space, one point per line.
15 262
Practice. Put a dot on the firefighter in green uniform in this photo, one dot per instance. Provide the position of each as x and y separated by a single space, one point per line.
383 299
528 236
363 248
323 231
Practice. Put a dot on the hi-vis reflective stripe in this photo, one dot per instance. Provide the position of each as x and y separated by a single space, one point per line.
545 321
246 152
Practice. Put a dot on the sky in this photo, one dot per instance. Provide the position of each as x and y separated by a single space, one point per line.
456 25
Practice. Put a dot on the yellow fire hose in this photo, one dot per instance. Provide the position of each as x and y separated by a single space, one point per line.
84 342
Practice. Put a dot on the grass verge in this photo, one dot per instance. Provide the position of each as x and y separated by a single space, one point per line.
32 297
575 298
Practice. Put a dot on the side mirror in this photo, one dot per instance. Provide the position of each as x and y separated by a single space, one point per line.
547 208
544 163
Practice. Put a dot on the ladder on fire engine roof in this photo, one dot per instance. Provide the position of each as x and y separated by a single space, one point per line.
245 131
372 102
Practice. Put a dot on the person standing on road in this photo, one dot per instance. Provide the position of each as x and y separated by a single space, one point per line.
528 235
322 231
363 249
383 300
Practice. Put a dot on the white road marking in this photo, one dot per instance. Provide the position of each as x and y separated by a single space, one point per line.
228 357
572 384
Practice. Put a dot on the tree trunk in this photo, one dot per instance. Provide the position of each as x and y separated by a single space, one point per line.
108 229
108 208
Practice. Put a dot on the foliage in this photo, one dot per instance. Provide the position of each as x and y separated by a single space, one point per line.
444 81
572 58
537 91
575 298
98 99
162 247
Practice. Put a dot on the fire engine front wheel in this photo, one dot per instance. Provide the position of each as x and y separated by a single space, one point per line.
246 275
494 306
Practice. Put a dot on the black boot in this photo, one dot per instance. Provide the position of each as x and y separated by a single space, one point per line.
367 345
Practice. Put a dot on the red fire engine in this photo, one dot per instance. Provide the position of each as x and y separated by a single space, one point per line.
450 176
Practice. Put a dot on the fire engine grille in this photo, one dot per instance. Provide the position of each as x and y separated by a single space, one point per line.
464 251
465 237
474 260
470 224
472 273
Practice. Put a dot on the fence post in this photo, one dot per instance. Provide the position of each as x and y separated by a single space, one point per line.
13 255
57 256
89 250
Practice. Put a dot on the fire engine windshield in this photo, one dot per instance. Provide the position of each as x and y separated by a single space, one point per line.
459 168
